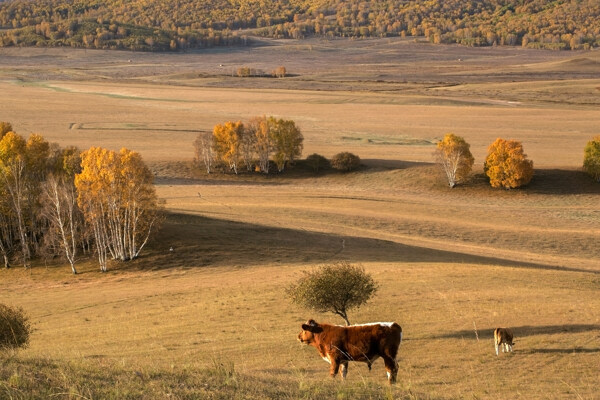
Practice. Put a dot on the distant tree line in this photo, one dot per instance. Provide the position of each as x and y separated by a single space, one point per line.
175 25
60 201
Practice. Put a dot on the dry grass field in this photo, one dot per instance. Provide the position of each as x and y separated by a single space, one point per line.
211 320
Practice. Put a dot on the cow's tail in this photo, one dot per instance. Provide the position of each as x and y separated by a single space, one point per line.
398 328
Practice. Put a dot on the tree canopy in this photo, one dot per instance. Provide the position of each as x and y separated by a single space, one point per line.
182 24
335 288
591 158
454 155
118 201
506 165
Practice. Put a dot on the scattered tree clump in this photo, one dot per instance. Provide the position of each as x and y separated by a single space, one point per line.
345 161
591 158
335 288
59 202
119 202
253 144
455 157
506 165
14 328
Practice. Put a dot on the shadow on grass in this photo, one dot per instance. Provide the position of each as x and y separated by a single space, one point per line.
561 182
199 241
560 351
526 331
178 173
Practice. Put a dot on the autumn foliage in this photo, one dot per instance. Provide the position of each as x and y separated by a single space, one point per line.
56 201
178 25
591 158
253 144
455 157
118 201
506 165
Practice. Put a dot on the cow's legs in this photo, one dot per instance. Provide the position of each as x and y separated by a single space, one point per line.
344 369
335 367
496 345
391 366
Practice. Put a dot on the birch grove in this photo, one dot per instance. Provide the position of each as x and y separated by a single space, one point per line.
118 201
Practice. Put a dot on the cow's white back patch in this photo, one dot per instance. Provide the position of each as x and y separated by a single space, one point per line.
388 324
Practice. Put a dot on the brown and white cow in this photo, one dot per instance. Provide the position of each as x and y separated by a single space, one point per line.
340 344
503 337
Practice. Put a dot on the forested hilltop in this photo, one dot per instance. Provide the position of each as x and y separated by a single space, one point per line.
181 24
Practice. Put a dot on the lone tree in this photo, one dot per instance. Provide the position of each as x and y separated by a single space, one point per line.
454 156
591 158
506 165
334 288
14 328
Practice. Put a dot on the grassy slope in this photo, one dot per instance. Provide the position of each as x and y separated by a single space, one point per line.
212 314
210 319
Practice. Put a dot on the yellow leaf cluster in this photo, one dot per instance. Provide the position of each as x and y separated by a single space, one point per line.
117 198
454 155
226 142
506 165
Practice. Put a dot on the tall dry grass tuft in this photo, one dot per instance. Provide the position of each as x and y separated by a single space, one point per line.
15 328
39 378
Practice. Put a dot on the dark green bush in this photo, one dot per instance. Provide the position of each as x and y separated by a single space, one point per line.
345 161
317 162
14 328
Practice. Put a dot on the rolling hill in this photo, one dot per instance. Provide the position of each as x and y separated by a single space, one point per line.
182 24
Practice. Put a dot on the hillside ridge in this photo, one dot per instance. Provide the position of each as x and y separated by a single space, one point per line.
182 24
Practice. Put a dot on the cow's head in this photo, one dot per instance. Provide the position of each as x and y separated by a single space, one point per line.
307 334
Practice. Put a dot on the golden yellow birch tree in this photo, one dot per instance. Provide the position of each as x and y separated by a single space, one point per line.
13 160
263 142
506 165
140 206
287 141
118 201
96 187
455 157
226 143
59 199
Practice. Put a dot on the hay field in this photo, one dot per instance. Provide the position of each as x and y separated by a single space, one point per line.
210 320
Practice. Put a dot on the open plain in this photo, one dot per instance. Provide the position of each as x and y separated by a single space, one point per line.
211 319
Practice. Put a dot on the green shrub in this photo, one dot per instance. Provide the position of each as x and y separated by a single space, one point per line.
345 161
591 158
317 162
334 288
14 328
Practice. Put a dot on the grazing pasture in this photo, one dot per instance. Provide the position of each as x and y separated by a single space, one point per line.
210 318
